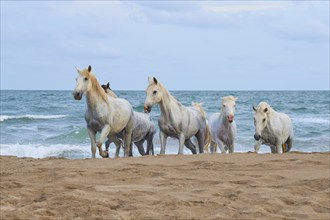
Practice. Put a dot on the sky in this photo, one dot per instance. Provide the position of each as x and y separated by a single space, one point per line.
186 45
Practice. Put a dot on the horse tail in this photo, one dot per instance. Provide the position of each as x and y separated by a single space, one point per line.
207 138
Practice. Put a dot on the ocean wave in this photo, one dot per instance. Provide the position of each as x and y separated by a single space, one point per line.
311 120
69 151
43 151
30 117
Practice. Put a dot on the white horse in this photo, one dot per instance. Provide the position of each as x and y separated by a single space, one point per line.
223 126
104 114
143 130
208 139
176 120
272 128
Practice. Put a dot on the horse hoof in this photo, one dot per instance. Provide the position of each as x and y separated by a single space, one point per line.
105 154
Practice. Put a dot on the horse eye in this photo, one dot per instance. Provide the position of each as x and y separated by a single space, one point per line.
154 92
263 120
85 78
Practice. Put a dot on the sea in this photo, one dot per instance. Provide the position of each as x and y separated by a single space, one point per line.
42 124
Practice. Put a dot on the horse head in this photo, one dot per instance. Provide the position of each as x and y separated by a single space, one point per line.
260 118
108 90
84 83
106 87
154 94
228 107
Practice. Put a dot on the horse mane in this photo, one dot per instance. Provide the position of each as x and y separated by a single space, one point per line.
263 105
198 106
167 93
95 84
229 98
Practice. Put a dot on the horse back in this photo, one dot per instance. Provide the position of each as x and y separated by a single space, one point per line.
142 126
280 122
120 114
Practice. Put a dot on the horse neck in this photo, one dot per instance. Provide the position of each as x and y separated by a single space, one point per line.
272 114
167 104
96 95
112 94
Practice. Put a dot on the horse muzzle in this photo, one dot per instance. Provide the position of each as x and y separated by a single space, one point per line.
147 108
231 118
257 137
77 95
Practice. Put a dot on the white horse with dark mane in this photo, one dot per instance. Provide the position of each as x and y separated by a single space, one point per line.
104 114
272 128
176 120
143 130
223 126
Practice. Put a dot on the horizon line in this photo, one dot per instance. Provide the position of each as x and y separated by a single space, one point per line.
210 90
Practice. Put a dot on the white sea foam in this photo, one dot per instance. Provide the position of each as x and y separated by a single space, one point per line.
54 150
313 120
8 117
43 151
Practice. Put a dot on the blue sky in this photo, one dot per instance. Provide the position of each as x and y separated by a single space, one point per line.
223 45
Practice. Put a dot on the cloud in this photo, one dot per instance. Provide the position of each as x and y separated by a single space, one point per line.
89 49
312 31
274 63
256 6
188 14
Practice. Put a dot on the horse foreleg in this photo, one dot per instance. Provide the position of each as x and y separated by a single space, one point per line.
139 145
92 137
128 142
191 146
213 147
231 148
162 137
107 144
289 143
273 149
150 145
278 148
118 144
257 146
181 143
221 146
200 138
104 134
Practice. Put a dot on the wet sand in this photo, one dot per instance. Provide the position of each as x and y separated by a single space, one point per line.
209 186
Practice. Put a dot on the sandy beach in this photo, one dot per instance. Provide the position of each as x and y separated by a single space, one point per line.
209 186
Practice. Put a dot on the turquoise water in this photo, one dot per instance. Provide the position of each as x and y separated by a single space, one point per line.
51 123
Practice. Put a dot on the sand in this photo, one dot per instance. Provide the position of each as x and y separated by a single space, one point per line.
209 186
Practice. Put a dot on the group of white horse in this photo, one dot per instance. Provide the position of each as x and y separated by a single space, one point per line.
116 121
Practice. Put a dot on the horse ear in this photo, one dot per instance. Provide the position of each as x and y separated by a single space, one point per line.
265 110
254 108
89 68
77 69
108 85
155 80
150 80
